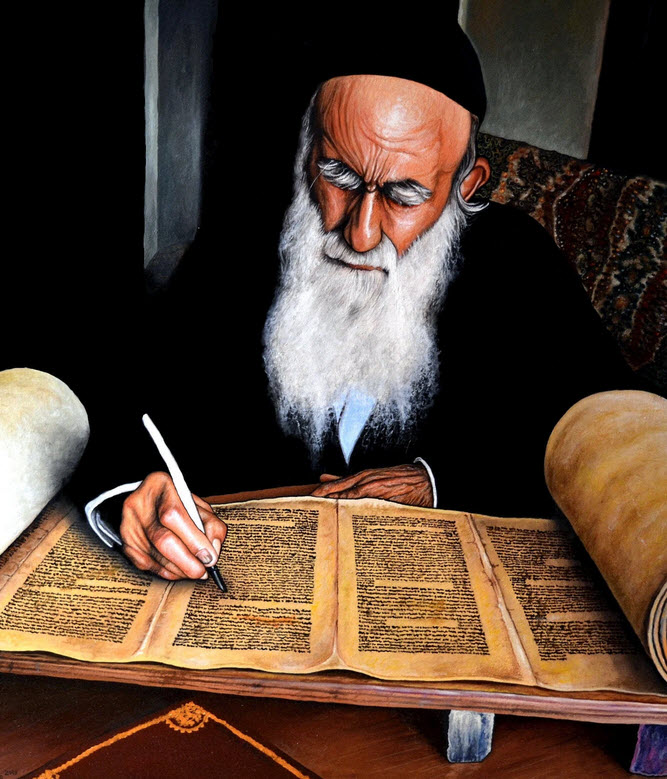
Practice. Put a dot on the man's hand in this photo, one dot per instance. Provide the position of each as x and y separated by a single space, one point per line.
159 536
402 483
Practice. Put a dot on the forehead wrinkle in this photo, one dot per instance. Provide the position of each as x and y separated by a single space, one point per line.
341 129
387 129
394 107
396 163
380 158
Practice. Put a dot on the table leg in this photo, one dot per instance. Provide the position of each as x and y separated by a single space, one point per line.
469 736
650 758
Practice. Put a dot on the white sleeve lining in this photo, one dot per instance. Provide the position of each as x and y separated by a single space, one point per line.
106 534
431 479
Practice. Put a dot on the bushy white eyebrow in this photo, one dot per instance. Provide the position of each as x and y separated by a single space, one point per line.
338 174
407 193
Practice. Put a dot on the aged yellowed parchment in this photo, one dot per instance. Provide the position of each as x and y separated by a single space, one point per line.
62 592
392 591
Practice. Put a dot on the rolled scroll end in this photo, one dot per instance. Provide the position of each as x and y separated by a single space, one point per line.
44 430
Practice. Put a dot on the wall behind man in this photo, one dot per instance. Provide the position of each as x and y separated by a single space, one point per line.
541 61
177 54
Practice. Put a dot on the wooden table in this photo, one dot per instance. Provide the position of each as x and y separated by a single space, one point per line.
45 721
356 689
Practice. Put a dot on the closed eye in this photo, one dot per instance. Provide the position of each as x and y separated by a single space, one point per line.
338 174
406 193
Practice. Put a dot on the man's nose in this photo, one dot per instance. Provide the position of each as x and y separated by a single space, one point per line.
363 230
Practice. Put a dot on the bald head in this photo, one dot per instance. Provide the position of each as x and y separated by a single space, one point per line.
384 158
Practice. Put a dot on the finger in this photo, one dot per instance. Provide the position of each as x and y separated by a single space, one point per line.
173 549
332 490
393 477
201 503
383 488
373 490
216 531
324 477
356 493
390 475
172 515
328 490
399 492
214 527
350 494
161 500
135 536
332 487
144 546
145 562
324 491
165 562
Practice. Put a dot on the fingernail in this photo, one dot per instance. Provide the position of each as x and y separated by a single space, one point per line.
204 575
204 556
217 545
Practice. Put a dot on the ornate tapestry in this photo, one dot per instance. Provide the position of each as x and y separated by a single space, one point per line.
612 229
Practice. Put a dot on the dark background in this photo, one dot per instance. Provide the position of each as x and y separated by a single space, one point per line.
628 130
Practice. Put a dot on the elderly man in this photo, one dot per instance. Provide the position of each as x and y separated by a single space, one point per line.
419 347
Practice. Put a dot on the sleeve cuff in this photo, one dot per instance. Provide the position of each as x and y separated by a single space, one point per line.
105 533
431 479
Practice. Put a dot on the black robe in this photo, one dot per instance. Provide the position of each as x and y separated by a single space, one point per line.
519 343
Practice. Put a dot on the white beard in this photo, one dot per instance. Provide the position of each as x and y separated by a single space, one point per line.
332 328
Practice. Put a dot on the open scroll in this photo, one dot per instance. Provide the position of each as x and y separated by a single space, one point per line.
391 591
61 591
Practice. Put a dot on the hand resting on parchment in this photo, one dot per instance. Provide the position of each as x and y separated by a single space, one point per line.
159 536
401 483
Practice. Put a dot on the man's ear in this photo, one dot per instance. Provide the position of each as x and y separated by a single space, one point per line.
477 177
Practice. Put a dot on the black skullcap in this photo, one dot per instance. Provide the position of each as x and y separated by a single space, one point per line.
436 54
